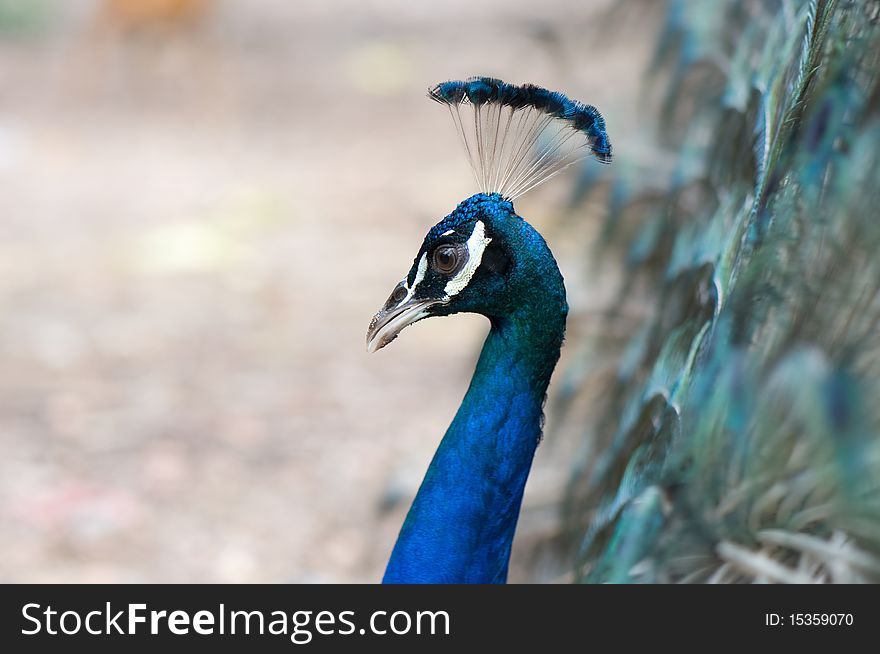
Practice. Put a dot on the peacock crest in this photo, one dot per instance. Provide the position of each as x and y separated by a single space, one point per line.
517 137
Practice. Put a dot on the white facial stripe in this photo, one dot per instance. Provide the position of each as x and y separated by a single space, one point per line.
420 275
421 270
448 232
476 245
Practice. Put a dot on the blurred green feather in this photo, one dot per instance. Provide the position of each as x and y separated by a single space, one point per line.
740 438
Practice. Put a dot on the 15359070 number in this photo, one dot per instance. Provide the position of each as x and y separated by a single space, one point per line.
821 619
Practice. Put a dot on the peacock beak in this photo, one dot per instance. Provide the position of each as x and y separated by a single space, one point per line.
394 316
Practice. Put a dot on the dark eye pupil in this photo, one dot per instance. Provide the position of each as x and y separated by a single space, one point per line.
446 259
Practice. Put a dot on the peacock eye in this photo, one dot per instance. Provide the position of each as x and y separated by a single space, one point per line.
446 259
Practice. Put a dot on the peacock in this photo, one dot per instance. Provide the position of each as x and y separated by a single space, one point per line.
484 258
727 404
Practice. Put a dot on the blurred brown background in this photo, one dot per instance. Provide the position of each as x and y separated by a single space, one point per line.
203 203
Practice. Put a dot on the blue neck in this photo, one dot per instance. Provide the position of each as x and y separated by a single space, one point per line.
461 524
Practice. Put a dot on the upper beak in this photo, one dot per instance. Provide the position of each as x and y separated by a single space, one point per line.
392 318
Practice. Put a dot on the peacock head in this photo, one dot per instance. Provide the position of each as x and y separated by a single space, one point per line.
482 258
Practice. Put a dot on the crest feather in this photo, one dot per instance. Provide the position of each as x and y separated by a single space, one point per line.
521 136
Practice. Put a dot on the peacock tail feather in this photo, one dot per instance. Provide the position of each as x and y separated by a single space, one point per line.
739 439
